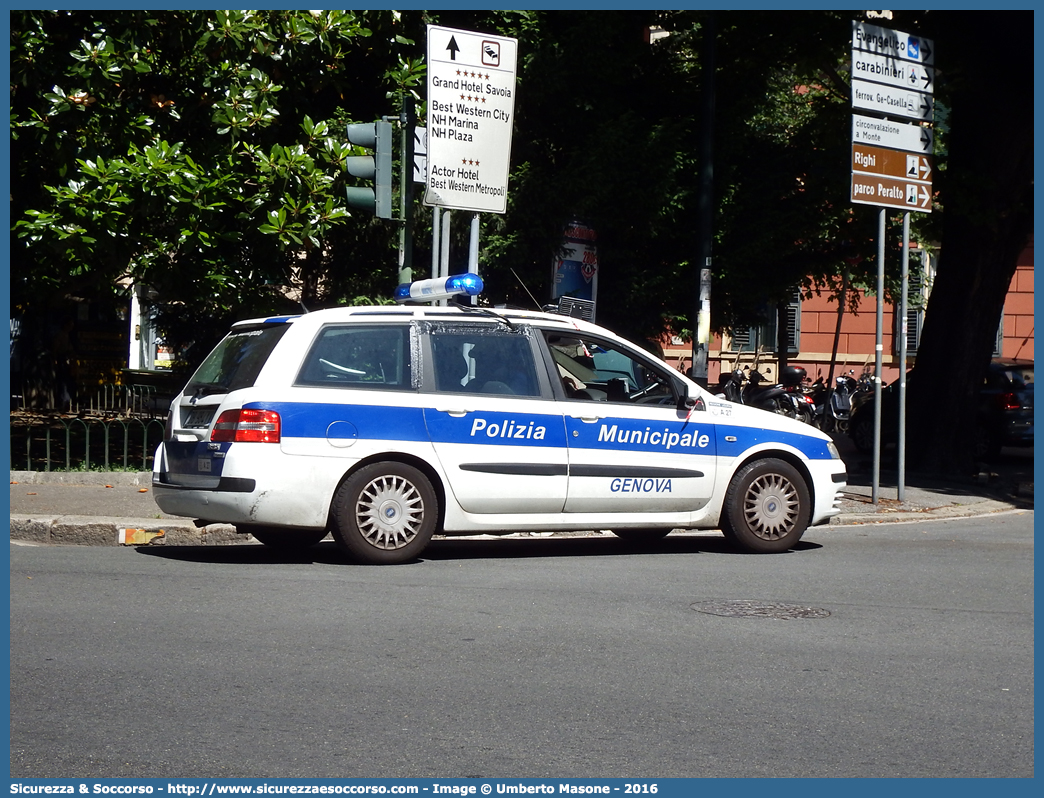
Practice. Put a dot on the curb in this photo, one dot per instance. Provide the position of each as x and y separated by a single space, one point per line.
888 515
92 530
99 478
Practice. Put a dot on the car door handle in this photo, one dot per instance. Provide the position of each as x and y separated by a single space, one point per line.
589 419
456 412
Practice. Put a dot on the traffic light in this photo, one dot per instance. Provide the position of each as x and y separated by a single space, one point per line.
376 136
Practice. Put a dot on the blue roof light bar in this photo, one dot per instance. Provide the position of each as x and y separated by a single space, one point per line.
439 288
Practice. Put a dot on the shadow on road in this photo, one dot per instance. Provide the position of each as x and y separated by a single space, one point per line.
451 549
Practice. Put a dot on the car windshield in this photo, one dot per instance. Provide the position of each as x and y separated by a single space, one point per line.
236 361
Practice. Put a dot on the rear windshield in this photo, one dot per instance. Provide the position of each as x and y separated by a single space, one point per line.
236 361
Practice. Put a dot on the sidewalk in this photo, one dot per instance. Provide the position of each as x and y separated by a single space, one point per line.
117 508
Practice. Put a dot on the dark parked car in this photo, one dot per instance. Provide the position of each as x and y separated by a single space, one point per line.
1005 415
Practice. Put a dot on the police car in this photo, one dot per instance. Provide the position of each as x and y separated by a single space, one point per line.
385 425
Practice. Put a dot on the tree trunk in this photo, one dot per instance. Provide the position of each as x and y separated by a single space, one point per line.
987 193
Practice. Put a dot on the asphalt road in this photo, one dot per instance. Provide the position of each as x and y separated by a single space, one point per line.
893 650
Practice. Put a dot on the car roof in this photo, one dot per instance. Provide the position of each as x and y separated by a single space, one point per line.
456 313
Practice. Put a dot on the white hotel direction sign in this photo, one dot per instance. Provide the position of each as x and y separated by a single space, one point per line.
471 106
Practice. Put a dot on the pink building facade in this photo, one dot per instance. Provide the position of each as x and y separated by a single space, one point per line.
813 326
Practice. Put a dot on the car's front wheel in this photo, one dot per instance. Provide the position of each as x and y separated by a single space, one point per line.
767 507
384 513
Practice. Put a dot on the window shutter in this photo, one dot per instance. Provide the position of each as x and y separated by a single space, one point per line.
794 324
915 302
742 339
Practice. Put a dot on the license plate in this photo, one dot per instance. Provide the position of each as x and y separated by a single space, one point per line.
199 418
204 465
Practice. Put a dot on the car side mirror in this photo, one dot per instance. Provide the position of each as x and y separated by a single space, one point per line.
688 403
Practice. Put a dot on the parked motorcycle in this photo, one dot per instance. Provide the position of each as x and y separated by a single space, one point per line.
747 390
792 378
834 407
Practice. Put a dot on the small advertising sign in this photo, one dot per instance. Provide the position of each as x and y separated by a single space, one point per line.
576 270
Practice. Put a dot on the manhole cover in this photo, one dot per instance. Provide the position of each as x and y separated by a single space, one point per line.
758 609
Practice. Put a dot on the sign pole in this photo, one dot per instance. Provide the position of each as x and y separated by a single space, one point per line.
444 260
903 332
435 246
473 250
878 355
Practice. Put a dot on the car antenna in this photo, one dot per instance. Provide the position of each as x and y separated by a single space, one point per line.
538 305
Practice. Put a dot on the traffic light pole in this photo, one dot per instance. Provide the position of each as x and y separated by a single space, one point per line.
701 335
408 120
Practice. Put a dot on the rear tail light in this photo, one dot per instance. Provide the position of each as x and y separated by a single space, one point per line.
1009 401
247 426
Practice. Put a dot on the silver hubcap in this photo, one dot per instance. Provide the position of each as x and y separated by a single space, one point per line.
771 506
389 512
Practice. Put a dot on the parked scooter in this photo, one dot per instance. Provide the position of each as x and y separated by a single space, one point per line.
834 407
792 378
743 389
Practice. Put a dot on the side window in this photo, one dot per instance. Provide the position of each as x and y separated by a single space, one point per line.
595 370
356 356
485 361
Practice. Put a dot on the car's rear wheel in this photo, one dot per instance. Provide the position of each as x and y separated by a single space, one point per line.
384 513
767 507
641 535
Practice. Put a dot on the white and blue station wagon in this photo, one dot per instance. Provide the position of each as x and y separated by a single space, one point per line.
385 425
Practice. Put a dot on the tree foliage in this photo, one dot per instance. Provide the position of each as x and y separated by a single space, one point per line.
199 153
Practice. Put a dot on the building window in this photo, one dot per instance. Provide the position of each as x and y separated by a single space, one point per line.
762 337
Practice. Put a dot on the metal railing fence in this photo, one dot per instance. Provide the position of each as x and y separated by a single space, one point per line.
54 442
